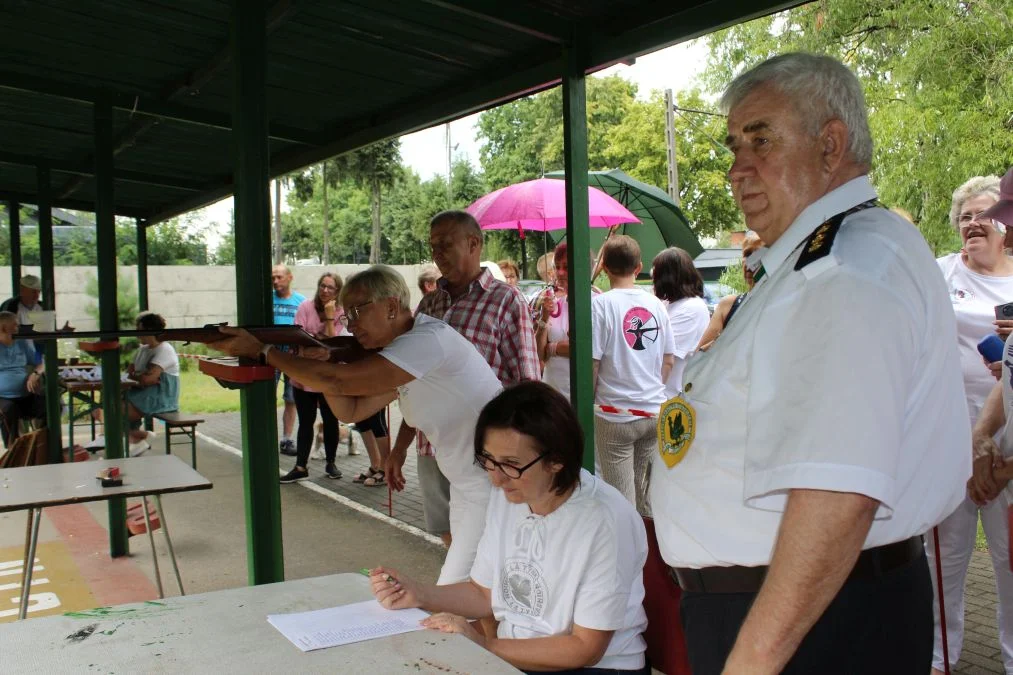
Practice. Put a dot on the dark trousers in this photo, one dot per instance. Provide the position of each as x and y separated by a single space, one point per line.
13 410
646 670
306 404
877 626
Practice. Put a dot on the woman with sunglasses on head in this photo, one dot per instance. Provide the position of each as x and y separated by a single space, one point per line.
439 378
319 316
560 564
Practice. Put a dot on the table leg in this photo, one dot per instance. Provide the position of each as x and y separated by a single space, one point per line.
34 517
151 540
168 541
91 418
70 422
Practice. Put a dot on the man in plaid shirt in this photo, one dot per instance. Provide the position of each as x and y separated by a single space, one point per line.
491 315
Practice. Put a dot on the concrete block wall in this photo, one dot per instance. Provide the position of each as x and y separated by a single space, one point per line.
185 295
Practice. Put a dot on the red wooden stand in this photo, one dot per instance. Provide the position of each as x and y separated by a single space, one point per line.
232 372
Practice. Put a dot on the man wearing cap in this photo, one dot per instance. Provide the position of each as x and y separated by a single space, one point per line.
813 444
26 301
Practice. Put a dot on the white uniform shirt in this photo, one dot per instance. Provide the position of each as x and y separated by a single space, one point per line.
453 383
974 297
630 335
581 564
557 369
841 376
689 318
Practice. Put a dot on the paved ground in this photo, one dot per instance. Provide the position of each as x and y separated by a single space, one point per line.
980 654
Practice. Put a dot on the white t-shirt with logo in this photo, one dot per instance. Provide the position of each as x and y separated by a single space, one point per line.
581 564
453 383
974 297
630 335
689 318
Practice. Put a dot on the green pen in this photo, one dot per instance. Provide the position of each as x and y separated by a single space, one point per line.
389 578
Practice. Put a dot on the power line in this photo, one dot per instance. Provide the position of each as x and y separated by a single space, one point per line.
698 112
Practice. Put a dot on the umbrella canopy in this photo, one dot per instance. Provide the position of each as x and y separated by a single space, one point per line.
663 223
540 205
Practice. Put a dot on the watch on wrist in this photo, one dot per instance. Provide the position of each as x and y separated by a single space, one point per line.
263 353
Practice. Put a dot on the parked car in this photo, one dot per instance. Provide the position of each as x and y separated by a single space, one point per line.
713 292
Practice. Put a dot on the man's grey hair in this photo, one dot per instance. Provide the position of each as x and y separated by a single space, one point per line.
975 187
463 219
378 282
821 89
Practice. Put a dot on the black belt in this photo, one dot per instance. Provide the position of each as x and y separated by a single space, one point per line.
872 563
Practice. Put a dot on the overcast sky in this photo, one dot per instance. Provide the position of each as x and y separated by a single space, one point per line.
425 151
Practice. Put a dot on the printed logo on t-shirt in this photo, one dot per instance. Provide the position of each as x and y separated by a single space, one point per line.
960 295
639 328
523 587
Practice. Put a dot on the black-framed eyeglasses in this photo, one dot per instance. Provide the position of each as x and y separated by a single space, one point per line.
508 470
352 313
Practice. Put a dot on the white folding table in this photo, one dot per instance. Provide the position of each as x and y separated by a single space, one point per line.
36 487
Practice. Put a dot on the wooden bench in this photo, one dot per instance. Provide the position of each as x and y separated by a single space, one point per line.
177 424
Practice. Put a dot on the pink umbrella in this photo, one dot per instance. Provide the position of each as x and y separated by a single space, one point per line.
540 205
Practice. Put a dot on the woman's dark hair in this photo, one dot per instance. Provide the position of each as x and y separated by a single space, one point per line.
319 306
675 276
150 321
544 415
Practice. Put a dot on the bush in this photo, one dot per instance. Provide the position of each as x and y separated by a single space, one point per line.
127 307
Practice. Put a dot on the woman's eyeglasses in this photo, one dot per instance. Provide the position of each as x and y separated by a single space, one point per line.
966 219
352 313
508 470
329 289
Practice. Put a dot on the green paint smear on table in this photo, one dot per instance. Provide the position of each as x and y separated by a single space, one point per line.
150 609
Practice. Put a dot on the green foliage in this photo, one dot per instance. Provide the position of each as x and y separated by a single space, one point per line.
937 81
524 139
732 277
127 307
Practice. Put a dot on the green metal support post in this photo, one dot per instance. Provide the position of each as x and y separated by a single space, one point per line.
14 222
142 264
578 235
105 230
265 559
55 437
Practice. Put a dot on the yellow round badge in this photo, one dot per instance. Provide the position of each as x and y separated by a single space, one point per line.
676 430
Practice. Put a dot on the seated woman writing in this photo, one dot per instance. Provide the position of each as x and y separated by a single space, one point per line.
156 371
560 564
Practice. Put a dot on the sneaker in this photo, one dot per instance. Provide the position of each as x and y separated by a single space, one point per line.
287 447
96 444
139 448
295 475
332 471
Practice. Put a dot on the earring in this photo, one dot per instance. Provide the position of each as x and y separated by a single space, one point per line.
391 316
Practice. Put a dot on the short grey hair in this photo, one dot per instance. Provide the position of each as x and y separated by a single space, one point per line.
975 187
462 219
378 281
821 89
429 274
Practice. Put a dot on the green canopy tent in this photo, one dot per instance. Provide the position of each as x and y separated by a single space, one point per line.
662 221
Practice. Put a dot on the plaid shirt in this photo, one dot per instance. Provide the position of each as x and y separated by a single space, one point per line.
494 317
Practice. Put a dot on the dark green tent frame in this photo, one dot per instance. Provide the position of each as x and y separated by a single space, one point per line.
151 109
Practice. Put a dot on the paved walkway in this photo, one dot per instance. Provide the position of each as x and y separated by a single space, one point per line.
980 654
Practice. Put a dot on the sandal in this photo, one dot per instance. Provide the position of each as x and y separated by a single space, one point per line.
376 480
366 475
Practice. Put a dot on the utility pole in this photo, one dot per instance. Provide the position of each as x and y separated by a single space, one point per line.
450 191
673 167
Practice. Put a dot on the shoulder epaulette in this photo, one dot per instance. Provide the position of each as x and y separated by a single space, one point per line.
820 242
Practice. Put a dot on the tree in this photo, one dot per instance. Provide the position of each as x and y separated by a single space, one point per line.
374 167
938 86
522 140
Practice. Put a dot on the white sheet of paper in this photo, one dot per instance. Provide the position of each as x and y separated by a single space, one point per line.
343 625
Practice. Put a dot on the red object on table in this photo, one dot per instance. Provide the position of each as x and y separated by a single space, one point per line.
666 644
231 370
99 346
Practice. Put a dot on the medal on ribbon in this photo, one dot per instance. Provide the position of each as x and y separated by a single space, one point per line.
676 430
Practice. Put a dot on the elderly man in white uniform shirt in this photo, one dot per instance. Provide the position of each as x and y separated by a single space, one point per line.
824 415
